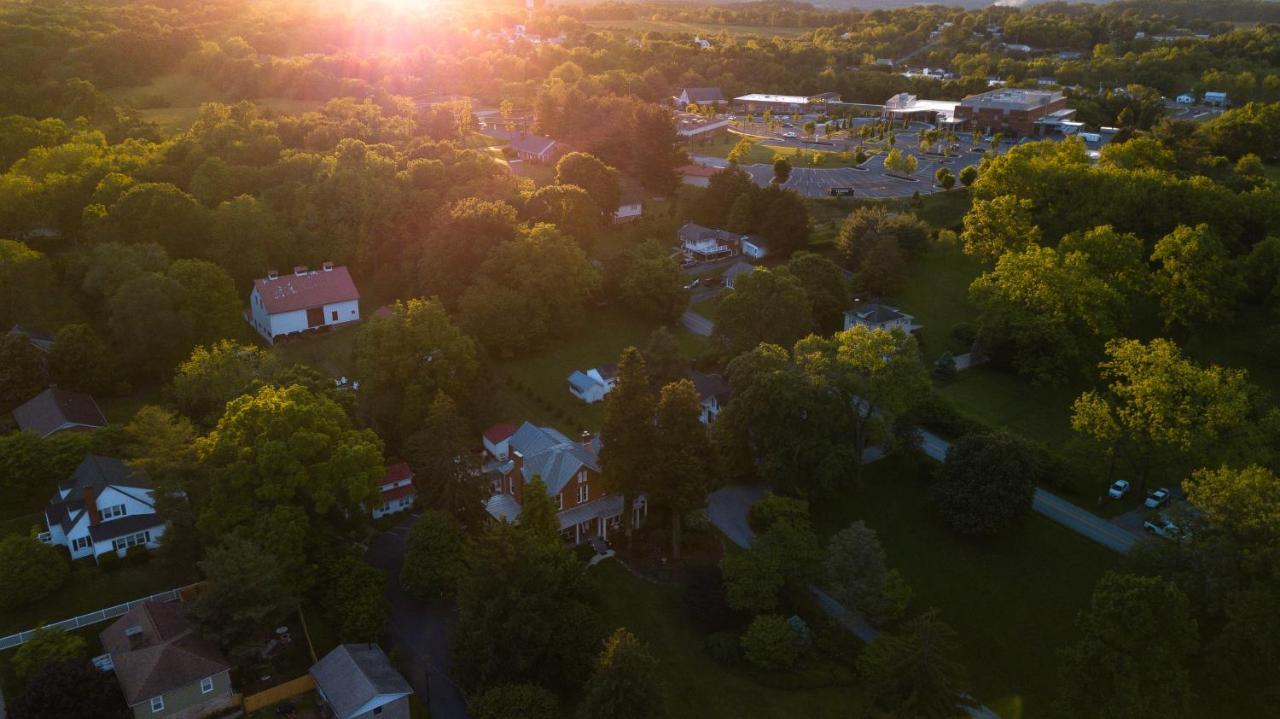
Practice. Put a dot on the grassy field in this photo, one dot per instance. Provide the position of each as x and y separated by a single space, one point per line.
764 153
706 29
173 100
696 686
937 294
1011 598
534 387
89 589
332 352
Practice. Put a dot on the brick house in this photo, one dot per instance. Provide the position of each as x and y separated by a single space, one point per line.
1012 112
571 472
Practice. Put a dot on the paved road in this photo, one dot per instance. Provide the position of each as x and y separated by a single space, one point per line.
1084 522
697 324
423 630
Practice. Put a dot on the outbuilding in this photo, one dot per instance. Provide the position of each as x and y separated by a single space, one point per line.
305 301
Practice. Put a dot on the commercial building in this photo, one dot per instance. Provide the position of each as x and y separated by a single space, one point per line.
759 102
905 107
1014 112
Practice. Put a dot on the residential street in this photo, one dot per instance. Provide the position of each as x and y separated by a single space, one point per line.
423 630
1083 522
697 324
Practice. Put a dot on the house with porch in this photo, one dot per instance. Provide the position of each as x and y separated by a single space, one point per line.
164 668
571 471
104 506
707 244
305 301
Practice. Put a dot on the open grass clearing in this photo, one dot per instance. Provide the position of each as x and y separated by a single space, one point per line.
1011 598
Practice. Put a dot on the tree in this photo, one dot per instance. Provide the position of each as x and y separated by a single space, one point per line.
783 220
968 175
33 571
740 150
434 562
624 684
1044 312
826 287
858 575
80 361
999 225
781 171
682 471
247 592
524 612
1194 283
884 268
209 298
1117 257
944 179
1130 659
463 236
628 433
598 179
404 360
765 306
214 375
445 469
1159 406
917 672
751 581
155 212
22 373
71 690
356 599
725 188
106 267
648 280
288 470
512 701
247 237
655 149
141 305
867 228
901 162
569 208
770 644
47 647
664 359
26 275
988 481
785 556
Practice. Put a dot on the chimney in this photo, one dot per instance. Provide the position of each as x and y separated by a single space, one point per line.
327 267
299 270
586 440
517 476
91 506
273 274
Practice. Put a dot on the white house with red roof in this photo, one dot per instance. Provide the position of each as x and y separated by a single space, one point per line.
398 492
304 301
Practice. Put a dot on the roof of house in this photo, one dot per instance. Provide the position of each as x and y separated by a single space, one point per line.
703 94
553 456
503 507
358 678
693 232
874 313
765 97
532 144
397 472
710 385
95 472
55 408
499 432
166 655
40 339
124 526
291 292
394 493
582 382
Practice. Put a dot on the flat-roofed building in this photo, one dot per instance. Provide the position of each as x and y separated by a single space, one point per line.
907 107
759 102
1012 111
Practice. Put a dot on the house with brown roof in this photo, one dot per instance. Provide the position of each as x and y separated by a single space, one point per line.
305 301
58 410
164 668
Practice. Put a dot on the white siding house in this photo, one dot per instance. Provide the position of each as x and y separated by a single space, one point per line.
397 490
103 507
591 386
879 317
303 301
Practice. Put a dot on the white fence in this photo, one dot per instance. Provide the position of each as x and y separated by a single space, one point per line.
102 615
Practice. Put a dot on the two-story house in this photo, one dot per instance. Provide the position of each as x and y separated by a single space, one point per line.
105 506
571 472
304 301
164 668
713 391
396 489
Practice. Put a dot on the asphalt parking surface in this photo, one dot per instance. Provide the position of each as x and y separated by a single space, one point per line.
869 181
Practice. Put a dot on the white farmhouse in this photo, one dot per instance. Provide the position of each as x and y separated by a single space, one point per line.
397 490
302 302
103 507
591 386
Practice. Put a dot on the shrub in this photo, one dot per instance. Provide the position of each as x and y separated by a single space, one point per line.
934 414
774 507
137 554
109 562
988 481
771 644
964 333
724 647
944 368
48 646
507 701
29 571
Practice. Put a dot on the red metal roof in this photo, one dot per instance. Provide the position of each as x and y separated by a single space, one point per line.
397 492
290 292
397 472
499 432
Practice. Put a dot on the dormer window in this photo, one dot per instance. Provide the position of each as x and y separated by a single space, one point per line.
113 512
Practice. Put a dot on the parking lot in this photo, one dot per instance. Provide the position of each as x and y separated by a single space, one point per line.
870 180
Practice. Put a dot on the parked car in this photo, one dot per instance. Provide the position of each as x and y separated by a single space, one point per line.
1157 498
1162 527
712 281
1118 489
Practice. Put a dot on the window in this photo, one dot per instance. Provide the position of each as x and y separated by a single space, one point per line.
206 685
132 540
559 501
334 314
81 543
584 493
113 512
157 704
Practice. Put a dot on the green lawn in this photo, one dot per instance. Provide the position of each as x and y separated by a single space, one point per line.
1012 599
332 352
119 410
936 293
1000 399
707 308
89 589
173 100
534 387
696 686
763 153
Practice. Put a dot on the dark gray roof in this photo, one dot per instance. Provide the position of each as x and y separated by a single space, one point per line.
553 456
693 232
532 144
94 472
874 313
710 385
353 675
703 94
40 339
54 408
124 526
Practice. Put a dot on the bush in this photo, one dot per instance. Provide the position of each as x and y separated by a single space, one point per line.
724 647
944 368
771 644
964 333
509 701
137 555
48 646
988 481
29 571
109 562
774 507
934 414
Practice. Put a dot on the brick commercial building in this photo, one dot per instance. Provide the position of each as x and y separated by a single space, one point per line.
1015 113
